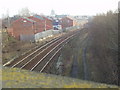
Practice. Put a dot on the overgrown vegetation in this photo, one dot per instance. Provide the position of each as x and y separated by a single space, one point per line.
12 47
100 39
103 34
72 53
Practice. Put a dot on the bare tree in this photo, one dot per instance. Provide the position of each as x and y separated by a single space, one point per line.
24 12
104 46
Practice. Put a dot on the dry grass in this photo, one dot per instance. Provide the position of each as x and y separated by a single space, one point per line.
16 78
12 48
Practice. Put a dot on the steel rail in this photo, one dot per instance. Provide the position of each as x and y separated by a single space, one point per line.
38 54
41 50
33 53
52 58
49 53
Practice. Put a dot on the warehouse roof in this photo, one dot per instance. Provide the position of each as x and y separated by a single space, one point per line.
29 19
39 17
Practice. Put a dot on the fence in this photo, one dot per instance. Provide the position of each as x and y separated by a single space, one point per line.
45 34
71 28
41 35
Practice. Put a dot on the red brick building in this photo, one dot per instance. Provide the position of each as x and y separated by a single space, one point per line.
66 22
40 23
48 23
43 23
29 26
22 26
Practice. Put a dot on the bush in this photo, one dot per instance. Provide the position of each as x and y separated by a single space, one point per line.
103 31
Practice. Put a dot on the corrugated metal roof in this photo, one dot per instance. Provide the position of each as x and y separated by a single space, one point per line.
29 19
46 18
39 17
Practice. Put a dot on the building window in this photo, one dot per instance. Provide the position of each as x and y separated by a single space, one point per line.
24 21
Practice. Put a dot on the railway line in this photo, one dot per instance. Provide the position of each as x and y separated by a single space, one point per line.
40 58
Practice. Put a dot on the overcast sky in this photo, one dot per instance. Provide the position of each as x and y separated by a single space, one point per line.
72 7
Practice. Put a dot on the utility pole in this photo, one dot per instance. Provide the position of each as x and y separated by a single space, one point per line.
8 21
45 25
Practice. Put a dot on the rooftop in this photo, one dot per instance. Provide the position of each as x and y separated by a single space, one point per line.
29 19
39 17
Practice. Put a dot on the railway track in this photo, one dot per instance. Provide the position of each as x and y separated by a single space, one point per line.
40 57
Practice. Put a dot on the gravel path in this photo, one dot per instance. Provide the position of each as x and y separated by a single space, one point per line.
85 64
75 68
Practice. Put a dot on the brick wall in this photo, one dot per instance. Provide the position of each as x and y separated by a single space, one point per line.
49 24
66 22
20 27
40 24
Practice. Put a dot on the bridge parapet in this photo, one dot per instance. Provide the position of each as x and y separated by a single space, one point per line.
16 78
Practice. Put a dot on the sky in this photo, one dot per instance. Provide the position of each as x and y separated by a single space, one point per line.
70 7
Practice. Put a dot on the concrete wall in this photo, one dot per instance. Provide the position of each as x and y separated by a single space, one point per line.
56 32
71 28
41 35
45 34
29 38
36 37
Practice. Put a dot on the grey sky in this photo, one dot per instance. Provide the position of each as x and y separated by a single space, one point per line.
72 7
